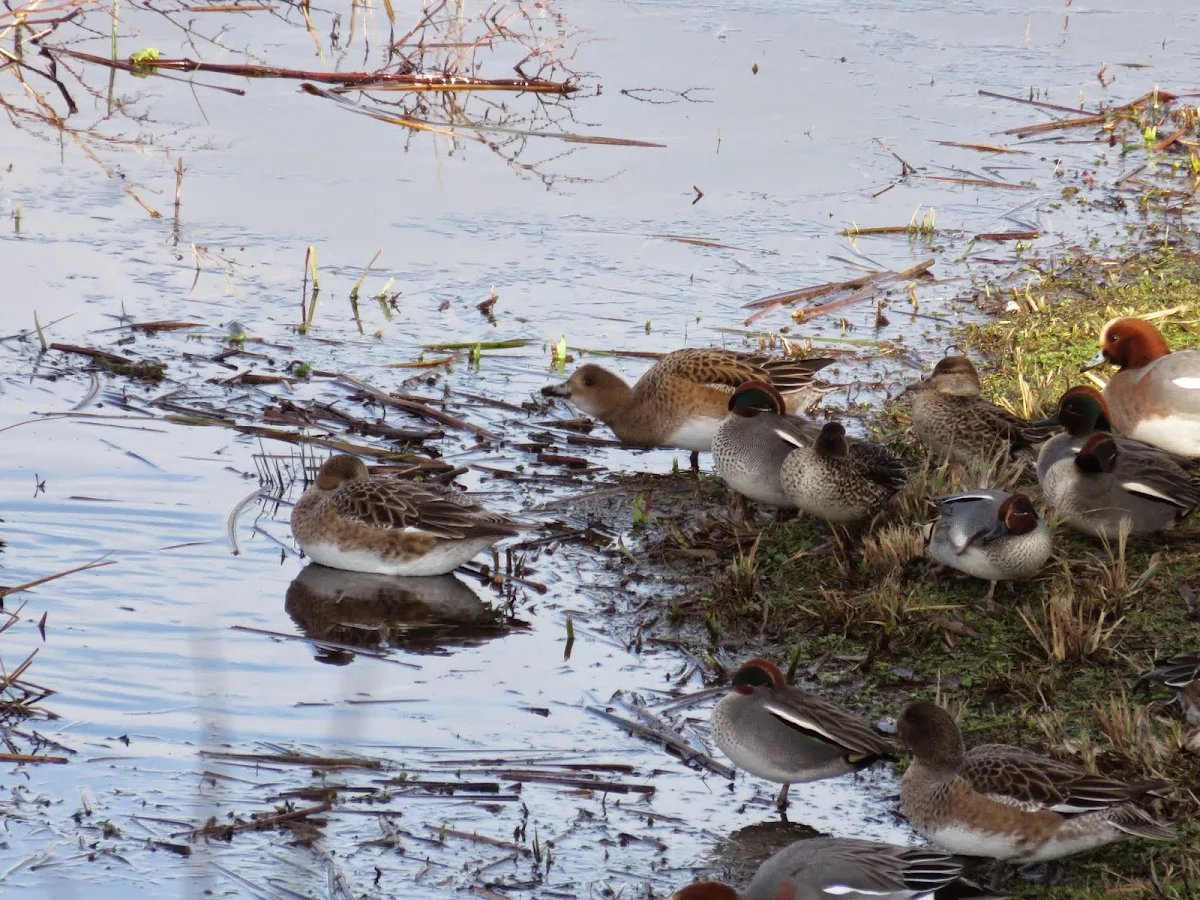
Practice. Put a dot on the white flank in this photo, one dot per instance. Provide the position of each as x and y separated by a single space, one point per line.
839 890
790 715
694 434
1187 382
1136 487
789 437
1175 434
444 557
971 842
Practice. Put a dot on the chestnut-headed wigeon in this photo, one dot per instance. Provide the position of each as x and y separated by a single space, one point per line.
683 398
786 735
993 535
350 519
952 419
822 868
1008 803
1155 395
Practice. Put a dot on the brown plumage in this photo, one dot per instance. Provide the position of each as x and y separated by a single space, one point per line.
952 419
683 398
349 519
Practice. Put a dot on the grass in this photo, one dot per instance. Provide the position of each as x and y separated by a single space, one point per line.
1055 665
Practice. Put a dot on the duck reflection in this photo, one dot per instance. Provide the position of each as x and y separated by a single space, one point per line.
354 611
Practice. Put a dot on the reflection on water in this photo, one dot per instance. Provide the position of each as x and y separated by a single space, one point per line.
345 610
738 857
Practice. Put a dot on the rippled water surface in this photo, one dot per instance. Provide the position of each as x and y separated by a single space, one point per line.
183 651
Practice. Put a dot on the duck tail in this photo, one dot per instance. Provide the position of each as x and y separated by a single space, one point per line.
1135 823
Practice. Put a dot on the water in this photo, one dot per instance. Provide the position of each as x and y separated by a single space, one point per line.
172 653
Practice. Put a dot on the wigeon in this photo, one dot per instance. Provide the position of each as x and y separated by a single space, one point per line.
350 519
1010 804
1155 395
683 398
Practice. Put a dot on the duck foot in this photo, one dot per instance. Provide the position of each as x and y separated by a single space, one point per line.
737 511
997 879
1047 873
781 802
989 601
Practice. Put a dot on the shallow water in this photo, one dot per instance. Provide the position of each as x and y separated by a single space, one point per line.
150 657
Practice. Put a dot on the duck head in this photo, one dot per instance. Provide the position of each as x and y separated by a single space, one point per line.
832 441
1129 343
756 673
1081 410
931 734
755 397
954 375
1016 516
1098 455
337 470
595 390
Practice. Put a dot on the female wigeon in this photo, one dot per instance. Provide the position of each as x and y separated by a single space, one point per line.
841 481
990 534
783 734
1155 397
1007 803
350 519
683 398
748 450
1107 486
953 420
822 868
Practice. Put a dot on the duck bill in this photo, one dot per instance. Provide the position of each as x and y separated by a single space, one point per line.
923 385
557 390
1049 422
1095 362
997 531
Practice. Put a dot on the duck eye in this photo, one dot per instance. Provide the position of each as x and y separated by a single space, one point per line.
589 382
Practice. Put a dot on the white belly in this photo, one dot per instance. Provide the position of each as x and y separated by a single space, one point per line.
695 434
444 557
970 842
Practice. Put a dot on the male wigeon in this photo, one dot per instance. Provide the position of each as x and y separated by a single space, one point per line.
952 419
786 735
822 868
993 535
683 398
350 519
840 480
1108 485
1155 395
1010 804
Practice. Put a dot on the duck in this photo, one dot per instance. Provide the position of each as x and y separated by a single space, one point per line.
683 398
839 480
1106 484
783 734
954 421
349 519
821 868
1082 411
1182 672
1008 803
747 449
1155 395
990 534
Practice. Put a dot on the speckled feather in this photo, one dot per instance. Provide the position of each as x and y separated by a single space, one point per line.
441 511
842 488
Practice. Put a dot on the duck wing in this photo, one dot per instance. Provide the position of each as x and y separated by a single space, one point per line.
729 369
823 721
441 511
1019 777
964 518
879 464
